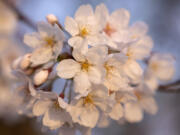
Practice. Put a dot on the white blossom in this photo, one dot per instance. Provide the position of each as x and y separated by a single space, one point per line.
161 66
84 29
85 108
85 69
53 109
47 42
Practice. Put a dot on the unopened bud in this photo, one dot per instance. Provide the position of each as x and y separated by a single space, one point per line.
40 77
25 62
52 19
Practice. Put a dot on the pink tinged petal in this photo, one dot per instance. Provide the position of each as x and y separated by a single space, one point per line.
81 82
68 68
41 106
149 105
41 55
95 75
133 112
84 11
71 26
32 40
117 112
121 17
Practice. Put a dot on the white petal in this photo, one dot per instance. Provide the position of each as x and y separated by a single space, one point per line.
133 112
45 29
138 29
149 105
68 68
117 112
133 70
89 117
84 11
41 55
97 54
120 17
52 119
71 26
94 75
141 49
102 14
162 65
32 40
78 55
75 42
81 82
41 106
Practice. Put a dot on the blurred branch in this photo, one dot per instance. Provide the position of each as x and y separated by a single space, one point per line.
20 15
170 88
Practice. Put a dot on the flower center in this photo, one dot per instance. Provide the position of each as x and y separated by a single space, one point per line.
109 30
49 41
84 32
108 69
154 66
88 100
85 66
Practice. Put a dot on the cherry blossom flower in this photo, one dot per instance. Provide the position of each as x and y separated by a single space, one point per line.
134 109
48 42
161 66
84 29
85 108
53 109
85 69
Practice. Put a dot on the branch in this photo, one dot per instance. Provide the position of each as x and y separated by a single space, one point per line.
170 88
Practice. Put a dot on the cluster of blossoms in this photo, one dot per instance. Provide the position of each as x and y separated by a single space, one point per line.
107 66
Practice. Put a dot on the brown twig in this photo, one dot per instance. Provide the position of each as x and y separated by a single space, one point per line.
170 88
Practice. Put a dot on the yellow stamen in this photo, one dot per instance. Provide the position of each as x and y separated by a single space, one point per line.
84 32
154 66
49 41
108 69
85 66
88 100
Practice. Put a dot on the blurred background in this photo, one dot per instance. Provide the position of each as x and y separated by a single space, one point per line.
163 18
